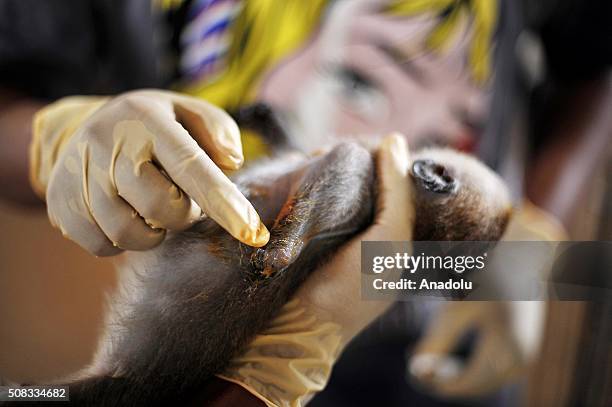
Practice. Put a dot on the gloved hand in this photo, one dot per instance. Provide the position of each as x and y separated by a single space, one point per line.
118 172
292 359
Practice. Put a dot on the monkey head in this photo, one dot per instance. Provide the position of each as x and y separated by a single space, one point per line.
457 197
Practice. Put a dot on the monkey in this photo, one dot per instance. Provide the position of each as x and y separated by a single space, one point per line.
185 308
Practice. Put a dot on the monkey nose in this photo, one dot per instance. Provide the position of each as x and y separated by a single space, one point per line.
433 177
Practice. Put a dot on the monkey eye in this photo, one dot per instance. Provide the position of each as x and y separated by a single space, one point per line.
433 177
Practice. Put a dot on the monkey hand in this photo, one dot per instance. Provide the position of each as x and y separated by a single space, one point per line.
118 172
292 359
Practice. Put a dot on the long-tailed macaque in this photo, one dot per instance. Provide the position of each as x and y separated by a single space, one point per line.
185 308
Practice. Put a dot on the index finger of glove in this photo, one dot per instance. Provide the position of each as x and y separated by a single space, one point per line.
195 173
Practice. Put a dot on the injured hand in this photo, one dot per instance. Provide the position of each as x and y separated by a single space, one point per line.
117 173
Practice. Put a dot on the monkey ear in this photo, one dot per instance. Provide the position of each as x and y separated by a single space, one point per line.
434 177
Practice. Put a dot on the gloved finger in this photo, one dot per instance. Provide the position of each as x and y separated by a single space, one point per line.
196 174
213 129
117 219
69 212
161 203
395 217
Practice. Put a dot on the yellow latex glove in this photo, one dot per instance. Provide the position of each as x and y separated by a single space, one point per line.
118 172
292 359
508 333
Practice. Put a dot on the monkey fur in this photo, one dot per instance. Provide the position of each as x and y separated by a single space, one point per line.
186 308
